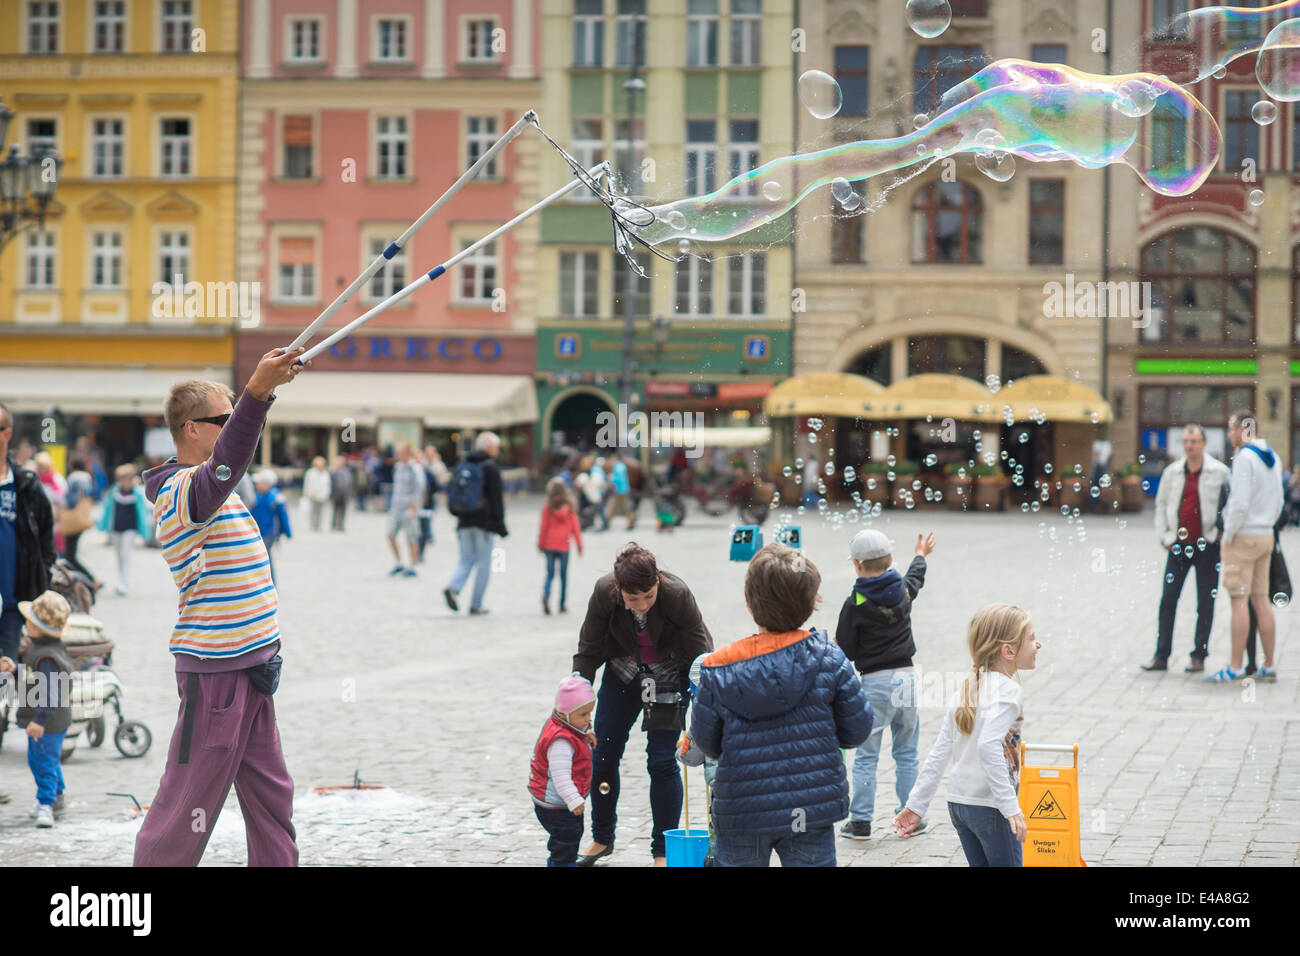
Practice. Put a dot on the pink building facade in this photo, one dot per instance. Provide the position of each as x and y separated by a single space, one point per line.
356 116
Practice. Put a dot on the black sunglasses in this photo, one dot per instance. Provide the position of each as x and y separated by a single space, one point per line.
214 419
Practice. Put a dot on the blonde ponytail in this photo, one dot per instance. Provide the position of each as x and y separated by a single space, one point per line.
990 628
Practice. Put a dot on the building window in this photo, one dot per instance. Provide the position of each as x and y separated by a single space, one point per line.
297 270
390 40
701 156
1162 14
106 260
588 147
106 147
588 33
42 137
480 134
579 275
629 33
478 274
947 354
742 153
43 27
641 291
173 256
746 32
937 69
297 147
1168 139
177 25
304 40
1240 131
1048 53
1165 410
970 8
625 164
1202 288
876 364
40 260
110 26
947 224
174 147
478 40
1046 221
392 277
702 33
392 147
1017 364
852 72
695 286
747 284
847 226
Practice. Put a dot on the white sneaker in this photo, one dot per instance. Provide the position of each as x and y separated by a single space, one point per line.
44 815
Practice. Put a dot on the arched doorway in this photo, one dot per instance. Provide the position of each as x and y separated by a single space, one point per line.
575 417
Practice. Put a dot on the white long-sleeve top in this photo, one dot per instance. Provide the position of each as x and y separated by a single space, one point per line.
980 776
1254 495
316 484
560 788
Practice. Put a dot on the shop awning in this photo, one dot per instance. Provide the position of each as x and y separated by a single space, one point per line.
94 391
721 437
439 400
824 393
1053 399
938 396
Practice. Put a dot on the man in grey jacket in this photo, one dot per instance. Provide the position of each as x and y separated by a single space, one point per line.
408 493
1188 502
1253 507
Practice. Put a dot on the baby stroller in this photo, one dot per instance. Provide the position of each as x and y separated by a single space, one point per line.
93 686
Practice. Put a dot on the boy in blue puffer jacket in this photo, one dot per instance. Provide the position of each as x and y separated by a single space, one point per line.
775 709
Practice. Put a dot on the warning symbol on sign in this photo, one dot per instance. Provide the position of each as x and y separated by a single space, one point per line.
1047 809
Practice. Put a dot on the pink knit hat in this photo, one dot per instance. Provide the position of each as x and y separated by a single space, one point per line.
574 692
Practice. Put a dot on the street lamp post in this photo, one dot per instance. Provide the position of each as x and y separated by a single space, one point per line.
25 190
631 86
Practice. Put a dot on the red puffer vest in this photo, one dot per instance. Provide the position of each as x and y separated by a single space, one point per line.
581 758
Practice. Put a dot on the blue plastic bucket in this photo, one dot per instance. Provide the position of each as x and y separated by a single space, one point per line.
686 848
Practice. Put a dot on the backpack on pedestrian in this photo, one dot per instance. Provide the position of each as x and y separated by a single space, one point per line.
465 494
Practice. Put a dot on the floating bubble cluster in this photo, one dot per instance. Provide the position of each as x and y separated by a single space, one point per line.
1011 108
1203 42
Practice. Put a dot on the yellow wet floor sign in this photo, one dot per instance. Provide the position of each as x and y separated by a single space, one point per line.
1049 799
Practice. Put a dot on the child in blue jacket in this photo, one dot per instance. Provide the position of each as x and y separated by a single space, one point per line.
775 709
125 515
270 513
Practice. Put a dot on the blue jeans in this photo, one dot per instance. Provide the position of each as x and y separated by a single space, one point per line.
892 695
557 560
43 759
476 556
986 836
745 848
566 833
618 706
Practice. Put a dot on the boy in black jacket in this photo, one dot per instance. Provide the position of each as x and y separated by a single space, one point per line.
875 632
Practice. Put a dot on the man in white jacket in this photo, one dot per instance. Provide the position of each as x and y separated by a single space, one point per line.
1188 501
1254 505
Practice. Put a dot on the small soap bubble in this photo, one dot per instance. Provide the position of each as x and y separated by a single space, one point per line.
820 94
928 18
684 246
931 460
891 461
1280 600
676 219
604 788
772 190
223 472
919 120
1264 112
1256 197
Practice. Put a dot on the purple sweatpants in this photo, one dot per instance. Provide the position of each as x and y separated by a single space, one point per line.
232 739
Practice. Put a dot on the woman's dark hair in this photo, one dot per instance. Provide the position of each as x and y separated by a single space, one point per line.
635 569
77 463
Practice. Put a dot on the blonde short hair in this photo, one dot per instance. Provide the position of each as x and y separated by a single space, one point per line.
191 398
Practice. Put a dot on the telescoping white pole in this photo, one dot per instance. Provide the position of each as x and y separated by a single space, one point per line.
529 118
436 271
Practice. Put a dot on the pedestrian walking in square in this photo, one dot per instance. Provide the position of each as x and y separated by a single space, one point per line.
980 738
875 632
341 488
316 489
125 515
408 493
474 497
271 514
559 526
560 774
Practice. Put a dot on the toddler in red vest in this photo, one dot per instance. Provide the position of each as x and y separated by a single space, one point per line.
561 769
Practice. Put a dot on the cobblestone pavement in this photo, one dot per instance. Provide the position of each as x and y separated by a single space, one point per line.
442 709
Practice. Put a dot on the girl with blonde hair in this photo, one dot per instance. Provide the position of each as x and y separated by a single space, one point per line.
980 737
559 525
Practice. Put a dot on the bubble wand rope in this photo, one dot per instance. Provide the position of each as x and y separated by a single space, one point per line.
439 270
528 119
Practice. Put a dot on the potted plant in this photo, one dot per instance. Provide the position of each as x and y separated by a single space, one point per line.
875 483
1073 486
960 480
1130 487
905 473
989 486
